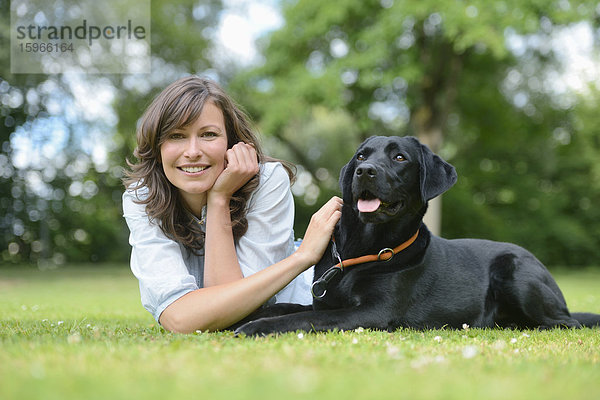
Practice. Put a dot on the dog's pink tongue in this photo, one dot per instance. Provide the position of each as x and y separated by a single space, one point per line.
368 205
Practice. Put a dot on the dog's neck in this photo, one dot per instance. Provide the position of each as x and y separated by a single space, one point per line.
363 238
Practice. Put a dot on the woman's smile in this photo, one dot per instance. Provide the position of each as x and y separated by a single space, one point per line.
193 169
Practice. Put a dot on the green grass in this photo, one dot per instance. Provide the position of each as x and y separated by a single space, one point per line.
81 333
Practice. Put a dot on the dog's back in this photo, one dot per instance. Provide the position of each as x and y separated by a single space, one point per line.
499 282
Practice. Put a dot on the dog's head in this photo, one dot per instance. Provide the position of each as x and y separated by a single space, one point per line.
389 177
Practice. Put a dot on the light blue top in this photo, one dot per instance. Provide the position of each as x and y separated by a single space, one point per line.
166 271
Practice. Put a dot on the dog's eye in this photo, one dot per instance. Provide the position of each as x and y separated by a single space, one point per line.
360 157
399 157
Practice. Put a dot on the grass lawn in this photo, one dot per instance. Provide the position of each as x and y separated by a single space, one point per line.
81 333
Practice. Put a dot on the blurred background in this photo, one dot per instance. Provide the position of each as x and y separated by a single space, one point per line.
506 91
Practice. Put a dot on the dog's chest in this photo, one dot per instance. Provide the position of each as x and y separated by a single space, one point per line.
356 287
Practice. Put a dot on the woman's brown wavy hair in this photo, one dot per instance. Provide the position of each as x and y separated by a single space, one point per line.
176 107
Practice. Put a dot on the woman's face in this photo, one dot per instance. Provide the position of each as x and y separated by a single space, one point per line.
194 156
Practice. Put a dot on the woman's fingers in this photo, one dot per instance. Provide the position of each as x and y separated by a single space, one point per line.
320 229
241 166
247 156
328 215
242 159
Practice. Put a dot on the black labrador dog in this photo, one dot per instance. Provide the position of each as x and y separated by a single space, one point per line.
409 277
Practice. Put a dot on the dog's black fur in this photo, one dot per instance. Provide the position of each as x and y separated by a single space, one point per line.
435 282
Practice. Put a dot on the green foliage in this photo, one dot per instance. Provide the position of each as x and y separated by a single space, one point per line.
529 181
442 71
335 73
80 332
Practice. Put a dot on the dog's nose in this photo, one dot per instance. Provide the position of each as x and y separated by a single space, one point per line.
367 169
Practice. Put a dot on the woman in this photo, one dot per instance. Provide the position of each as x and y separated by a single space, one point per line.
210 216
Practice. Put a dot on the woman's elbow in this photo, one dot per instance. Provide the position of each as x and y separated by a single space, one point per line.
185 315
177 321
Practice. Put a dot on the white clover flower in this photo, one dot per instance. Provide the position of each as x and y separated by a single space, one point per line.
301 335
437 338
354 341
469 351
513 340
465 327
421 362
392 351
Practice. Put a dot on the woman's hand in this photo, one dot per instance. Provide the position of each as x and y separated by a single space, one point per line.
319 231
241 164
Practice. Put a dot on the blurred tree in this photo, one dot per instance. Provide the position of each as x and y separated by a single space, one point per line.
476 73
20 103
65 204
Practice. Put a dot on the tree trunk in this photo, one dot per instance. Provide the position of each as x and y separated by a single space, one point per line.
439 90
433 217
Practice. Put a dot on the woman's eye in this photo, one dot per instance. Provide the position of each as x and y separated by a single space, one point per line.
175 135
360 157
399 157
210 134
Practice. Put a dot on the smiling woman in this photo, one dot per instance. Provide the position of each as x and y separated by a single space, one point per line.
211 216
193 157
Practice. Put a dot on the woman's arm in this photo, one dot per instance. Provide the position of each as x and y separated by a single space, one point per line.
220 261
217 307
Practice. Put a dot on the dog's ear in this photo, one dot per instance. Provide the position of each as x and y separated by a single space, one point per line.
346 174
436 175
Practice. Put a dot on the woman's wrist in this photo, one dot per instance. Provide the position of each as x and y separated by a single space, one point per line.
302 260
218 199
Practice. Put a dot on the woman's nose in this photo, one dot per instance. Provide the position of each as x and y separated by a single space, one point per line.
193 148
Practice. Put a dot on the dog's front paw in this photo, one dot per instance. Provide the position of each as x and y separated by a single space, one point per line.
259 327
